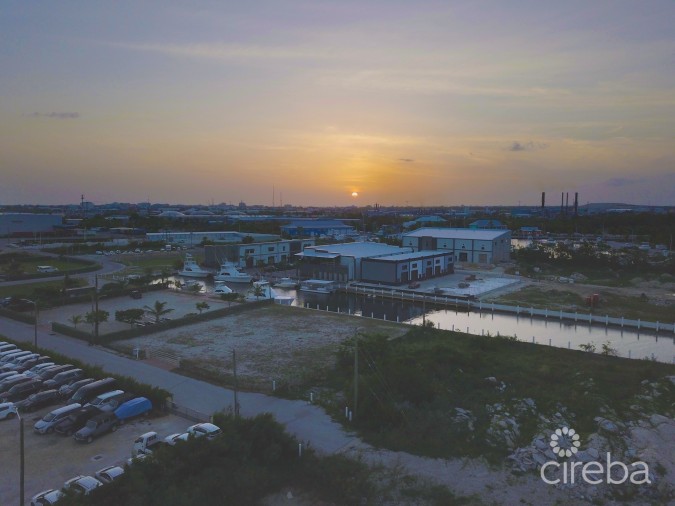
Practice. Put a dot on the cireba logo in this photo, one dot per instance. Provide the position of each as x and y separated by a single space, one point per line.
565 443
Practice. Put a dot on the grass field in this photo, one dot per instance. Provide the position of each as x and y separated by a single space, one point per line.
25 290
611 303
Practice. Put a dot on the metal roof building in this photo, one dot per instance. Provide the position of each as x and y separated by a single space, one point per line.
467 245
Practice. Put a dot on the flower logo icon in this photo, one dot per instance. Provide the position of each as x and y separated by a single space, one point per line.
565 442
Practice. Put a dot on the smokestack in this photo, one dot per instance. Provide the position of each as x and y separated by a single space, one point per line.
562 203
567 203
576 203
543 200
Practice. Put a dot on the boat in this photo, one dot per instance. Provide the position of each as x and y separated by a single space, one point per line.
263 290
191 285
229 272
286 283
221 288
317 286
192 269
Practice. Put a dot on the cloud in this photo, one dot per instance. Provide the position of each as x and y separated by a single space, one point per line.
618 182
55 115
528 146
237 52
406 160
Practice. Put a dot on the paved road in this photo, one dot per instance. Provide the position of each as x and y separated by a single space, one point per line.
307 422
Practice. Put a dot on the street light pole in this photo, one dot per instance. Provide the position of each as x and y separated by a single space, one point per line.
21 475
35 323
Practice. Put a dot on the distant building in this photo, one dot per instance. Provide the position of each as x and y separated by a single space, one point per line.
487 225
254 254
195 238
467 245
317 228
424 220
22 224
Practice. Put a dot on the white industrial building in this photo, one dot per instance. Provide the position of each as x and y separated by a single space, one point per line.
467 245
255 254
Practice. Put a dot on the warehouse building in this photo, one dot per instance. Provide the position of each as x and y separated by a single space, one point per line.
466 245
317 228
196 238
401 268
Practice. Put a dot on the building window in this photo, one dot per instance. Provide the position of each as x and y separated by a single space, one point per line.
270 248
249 251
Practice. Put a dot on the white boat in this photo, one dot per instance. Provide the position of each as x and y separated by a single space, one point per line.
317 286
229 272
191 286
263 290
286 283
221 288
192 269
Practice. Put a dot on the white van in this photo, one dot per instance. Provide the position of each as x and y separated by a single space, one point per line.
46 268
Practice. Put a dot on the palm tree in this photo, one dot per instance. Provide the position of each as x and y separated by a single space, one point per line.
202 306
76 319
258 291
158 310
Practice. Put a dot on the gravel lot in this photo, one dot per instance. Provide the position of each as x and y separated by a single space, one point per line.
273 342
51 459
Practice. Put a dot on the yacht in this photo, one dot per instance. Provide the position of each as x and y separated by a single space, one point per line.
229 272
317 286
192 269
286 283
221 288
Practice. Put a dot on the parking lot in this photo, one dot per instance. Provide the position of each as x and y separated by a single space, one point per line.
52 459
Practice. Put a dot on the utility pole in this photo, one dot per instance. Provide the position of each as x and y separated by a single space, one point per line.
21 475
96 308
37 313
234 371
356 373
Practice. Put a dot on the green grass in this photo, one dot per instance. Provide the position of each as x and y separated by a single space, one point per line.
536 297
30 265
25 290
409 388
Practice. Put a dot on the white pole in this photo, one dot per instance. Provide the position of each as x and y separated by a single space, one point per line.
311 397
299 449
274 385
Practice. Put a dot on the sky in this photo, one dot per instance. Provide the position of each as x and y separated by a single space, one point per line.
306 102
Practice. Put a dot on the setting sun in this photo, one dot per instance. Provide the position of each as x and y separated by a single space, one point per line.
355 194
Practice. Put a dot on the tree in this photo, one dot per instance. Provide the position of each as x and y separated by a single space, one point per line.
130 316
258 291
202 306
158 310
94 317
76 320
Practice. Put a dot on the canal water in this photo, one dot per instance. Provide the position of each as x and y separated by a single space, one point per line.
565 334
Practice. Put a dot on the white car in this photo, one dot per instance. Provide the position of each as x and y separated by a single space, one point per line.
174 438
204 429
110 473
82 484
7 410
46 497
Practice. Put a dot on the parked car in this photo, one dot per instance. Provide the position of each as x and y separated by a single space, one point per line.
69 389
7 347
136 294
26 363
97 426
75 420
172 439
88 392
49 373
115 401
7 410
8 356
46 497
15 361
33 371
7 374
8 383
64 377
21 391
38 400
146 443
109 474
204 429
101 399
48 422
82 484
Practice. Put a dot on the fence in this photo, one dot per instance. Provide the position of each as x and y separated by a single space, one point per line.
473 305
189 414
